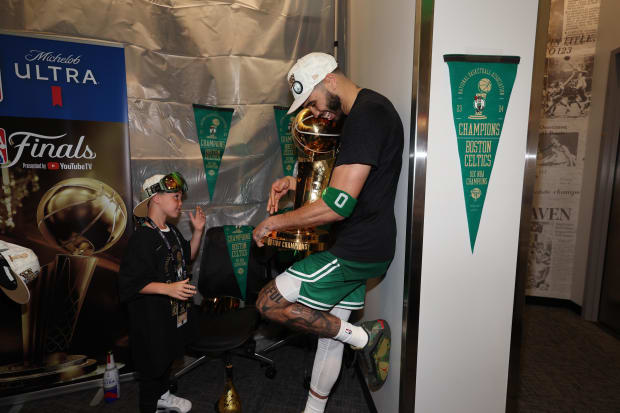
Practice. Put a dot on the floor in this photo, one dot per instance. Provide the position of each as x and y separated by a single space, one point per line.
568 365
204 385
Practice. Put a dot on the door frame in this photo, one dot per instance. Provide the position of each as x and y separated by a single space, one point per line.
603 192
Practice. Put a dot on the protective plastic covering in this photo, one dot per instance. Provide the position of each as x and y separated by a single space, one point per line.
179 52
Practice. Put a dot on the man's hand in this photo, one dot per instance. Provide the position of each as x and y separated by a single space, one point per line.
278 189
261 231
181 290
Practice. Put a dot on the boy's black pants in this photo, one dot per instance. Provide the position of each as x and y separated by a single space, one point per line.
151 389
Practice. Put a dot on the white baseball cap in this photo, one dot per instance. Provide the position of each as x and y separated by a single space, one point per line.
19 267
142 209
308 72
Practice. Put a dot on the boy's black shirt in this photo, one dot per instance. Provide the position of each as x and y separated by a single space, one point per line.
155 339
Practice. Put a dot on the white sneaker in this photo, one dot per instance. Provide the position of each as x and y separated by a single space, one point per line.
168 402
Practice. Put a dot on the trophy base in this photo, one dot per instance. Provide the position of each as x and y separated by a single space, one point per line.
17 376
310 239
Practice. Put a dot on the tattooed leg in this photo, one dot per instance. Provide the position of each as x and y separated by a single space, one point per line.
272 305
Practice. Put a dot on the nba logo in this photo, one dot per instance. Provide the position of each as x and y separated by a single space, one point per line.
3 155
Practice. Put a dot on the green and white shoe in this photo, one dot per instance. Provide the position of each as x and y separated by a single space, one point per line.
375 355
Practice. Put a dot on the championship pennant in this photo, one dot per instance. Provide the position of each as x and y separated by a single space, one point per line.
283 123
481 87
212 125
238 242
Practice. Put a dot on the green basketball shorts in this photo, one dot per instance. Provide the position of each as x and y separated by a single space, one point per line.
329 281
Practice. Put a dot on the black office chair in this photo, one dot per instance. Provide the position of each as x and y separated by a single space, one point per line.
223 324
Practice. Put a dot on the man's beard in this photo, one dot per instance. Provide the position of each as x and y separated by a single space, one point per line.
334 106
333 102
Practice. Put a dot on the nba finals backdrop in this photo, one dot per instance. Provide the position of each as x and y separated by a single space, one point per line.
65 201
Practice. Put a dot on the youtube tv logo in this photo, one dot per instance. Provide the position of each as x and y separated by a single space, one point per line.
53 166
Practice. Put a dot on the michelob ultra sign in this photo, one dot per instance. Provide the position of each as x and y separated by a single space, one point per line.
481 87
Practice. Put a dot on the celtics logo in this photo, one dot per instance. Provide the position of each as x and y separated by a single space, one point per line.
484 87
295 85
213 128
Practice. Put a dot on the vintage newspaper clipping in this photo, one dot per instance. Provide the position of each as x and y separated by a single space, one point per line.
566 104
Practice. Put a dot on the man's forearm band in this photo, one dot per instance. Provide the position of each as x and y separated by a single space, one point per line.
339 201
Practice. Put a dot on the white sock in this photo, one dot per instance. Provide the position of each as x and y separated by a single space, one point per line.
350 334
314 404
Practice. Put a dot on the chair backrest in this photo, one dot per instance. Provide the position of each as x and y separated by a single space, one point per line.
216 277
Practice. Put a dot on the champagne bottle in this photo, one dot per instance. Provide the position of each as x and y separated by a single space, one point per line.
229 402
111 382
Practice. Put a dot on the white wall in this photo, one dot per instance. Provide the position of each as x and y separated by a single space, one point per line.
467 299
608 40
379 52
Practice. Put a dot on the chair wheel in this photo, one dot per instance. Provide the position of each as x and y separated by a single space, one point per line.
270 373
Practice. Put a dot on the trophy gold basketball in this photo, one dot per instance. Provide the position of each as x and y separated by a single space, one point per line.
81 217
317 141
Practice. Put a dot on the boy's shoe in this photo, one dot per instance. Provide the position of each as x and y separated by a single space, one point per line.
168 402
375 355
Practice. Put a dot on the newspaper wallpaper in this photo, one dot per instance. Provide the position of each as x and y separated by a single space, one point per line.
562 142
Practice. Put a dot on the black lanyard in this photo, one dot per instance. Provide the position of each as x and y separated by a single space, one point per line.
163 237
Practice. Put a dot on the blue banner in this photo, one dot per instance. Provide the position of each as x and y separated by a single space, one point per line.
65 195
44 78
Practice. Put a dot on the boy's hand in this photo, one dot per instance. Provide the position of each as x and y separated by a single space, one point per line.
181 290
198 219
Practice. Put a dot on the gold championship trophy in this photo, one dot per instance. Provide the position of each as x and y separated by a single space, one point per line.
81 216
317 141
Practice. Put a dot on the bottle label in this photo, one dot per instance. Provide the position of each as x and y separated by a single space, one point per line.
110 386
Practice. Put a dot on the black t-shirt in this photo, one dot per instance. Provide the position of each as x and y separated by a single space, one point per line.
372 135
155 339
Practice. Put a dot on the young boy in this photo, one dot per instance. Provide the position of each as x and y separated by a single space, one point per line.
154 282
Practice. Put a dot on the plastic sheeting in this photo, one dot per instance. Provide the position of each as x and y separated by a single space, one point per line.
179 52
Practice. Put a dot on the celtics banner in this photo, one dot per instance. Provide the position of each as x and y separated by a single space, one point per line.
238 242
212 125
481 87
283 122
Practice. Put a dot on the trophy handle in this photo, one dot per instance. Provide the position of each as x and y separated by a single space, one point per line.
33 319
57 295
72 275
